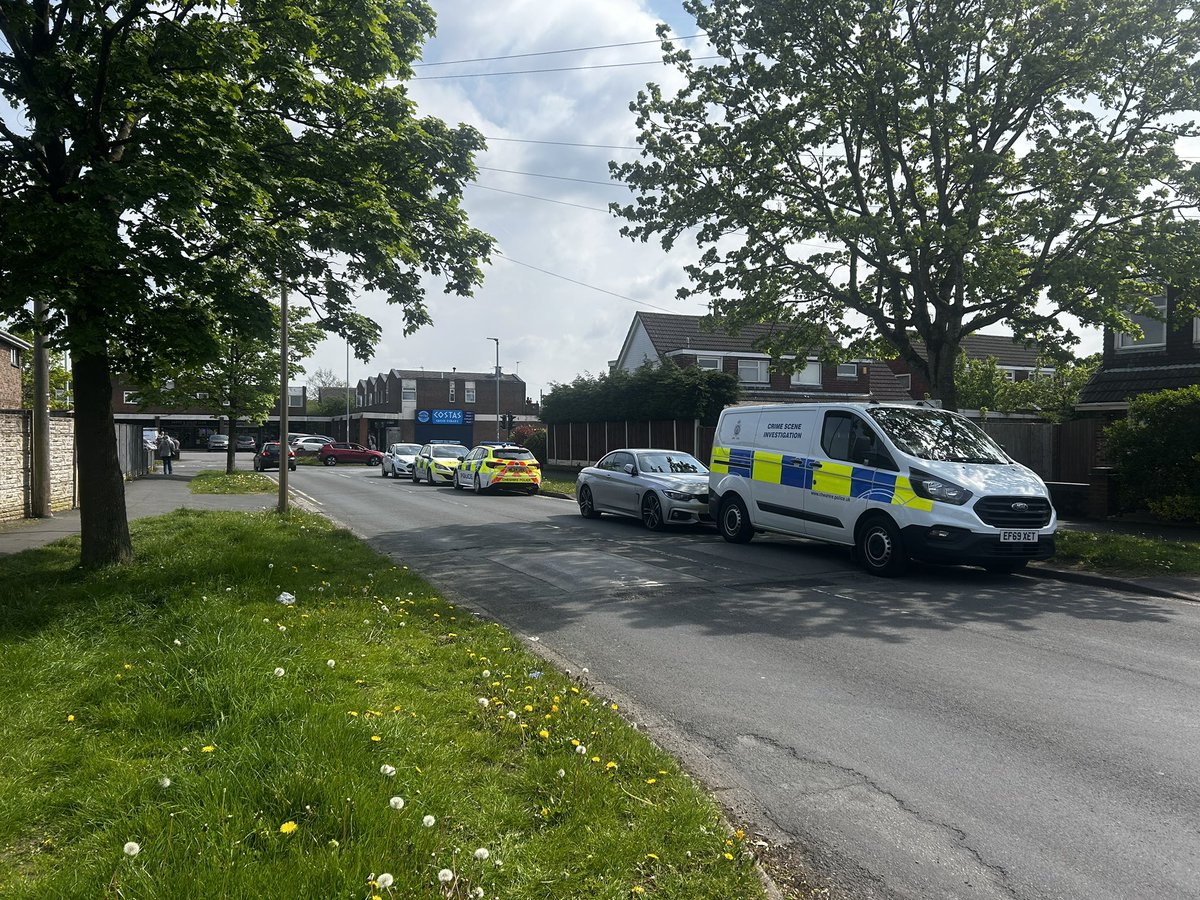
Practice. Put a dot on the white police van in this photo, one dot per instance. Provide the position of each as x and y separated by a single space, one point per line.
894 481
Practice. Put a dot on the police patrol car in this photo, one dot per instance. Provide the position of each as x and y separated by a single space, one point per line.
893 481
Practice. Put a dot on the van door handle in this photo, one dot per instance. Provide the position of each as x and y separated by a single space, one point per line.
814 465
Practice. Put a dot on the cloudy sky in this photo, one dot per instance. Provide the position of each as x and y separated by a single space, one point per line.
557 128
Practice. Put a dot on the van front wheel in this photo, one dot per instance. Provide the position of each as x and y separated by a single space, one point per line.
880 547
734 520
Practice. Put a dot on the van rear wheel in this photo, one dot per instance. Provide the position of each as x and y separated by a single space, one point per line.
734 520
880 548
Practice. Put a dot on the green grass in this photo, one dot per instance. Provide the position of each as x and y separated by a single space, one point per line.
175 703
1126 553
216 482
560 480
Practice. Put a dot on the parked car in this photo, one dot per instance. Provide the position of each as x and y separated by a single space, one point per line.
218 442
892 481
493 465
345 452
268 457
310 443
660 487
399 459
436 463
246 442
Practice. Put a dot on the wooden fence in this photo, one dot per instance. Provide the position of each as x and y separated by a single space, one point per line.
578 444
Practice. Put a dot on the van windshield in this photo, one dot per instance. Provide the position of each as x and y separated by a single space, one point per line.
937 434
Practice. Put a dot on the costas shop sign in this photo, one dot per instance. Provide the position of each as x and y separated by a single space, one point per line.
441 416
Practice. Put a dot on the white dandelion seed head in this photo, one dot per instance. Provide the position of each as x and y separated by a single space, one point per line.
396 803
283 628
487 673
384 609
384 880
445 876
387 771
477 892
331 663
270 565
177 642
483 701
581 750
428 821
133 848
562 773
266 621
279 672
287 599
511 714
482 853
164 782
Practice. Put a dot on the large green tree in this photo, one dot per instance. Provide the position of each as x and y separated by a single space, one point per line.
895 169
171 165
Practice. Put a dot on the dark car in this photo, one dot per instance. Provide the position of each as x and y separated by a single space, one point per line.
346 452
268 457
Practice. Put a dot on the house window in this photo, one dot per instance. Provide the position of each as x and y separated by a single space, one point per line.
129 398
202 395
408 390
358 399
712 363
14 356
1154 332
905 381
847 370
752 371
809 375
469 392
451 390
295 397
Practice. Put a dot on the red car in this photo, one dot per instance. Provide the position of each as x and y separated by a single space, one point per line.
344 452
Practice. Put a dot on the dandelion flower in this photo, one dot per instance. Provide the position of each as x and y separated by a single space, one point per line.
511 714
483 701
279 672
71 717
133 848
482 854
562 773
283 628
384 881
164 782
376 738
581 750
387 771
610 765
487 673
445 876
544 734
428 821
208 749
270 565
177 642
287 599
288 827
396 803
331 663
477 892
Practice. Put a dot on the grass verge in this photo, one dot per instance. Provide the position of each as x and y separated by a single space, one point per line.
1126 553
216 482
172 730
559 480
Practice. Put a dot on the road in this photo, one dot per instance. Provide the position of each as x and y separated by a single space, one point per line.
954 734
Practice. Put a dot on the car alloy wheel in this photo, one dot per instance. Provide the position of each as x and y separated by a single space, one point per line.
478 486
383 471
652 514
587 507
429 475
331 460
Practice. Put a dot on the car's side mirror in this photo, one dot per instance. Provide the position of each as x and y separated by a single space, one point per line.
629 469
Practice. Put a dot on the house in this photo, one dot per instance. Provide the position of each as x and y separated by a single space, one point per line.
10 369
1165 356
420 405
1016 361
690 341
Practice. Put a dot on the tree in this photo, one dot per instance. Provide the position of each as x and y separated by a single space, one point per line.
665 391
1052 394
60 379
334 402
241 384
1156 450
171 165
879 169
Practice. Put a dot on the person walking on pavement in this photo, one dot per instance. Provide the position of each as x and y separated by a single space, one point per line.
166 450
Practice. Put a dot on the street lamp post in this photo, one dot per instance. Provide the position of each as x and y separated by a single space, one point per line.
497 340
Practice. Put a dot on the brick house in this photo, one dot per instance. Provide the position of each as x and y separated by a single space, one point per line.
420 405
683 339
10 369
1016 361
1166 356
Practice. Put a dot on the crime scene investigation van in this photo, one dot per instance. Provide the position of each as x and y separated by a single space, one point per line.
893 481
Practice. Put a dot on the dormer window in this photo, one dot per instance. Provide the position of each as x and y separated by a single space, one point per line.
1154 331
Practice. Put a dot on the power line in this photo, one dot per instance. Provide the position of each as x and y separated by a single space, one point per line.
454 62
532 197
584 284
556 177
657 62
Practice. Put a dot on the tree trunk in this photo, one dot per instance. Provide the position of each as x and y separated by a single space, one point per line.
103 526
231 450
942 384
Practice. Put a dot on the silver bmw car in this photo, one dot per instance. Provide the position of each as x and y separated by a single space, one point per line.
660 487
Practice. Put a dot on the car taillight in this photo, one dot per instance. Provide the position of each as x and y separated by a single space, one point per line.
494 463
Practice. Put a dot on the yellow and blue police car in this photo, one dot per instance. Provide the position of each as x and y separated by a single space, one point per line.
494 465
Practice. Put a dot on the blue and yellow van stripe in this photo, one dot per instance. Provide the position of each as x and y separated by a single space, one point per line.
834 478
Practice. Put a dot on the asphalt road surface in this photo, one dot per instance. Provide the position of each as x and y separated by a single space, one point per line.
953 734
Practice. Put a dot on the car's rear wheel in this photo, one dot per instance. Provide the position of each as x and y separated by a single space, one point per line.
331 460
587 507
880 548
373 461
734 520
531 490
652 514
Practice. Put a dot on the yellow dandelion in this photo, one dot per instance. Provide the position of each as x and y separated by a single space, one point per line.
288 827
376 738
638 889
574 742
352 712
71 718
595 759
610 765
739 834
208 749
574 690
729 856
585 702
651 781
614 706
528 708
543 734
651 856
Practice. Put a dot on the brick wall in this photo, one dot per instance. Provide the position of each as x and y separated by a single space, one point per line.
16 447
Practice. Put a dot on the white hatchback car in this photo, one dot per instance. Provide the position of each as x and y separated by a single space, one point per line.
399 460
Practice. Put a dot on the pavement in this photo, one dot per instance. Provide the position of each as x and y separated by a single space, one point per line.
156 495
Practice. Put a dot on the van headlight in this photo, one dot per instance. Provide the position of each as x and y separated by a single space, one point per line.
931 487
